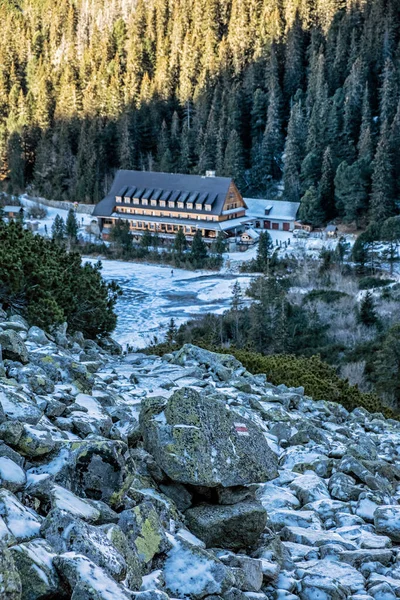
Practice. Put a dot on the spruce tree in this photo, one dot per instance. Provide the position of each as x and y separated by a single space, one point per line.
326 188
71 226
294 153
180 242
198 251
58 230
367 315
382 204
310 210
265 250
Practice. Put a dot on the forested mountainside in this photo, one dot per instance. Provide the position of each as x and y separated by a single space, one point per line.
304 90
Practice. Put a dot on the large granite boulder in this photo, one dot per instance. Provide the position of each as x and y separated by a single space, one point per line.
198 440
236 526
13 347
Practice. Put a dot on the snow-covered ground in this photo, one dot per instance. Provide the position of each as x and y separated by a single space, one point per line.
153 295
45 224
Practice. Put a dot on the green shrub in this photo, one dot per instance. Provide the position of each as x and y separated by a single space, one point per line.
367 283
328 296
48 285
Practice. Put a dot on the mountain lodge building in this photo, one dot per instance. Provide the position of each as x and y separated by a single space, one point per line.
164 202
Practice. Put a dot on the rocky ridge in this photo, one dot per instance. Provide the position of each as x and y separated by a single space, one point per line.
140 477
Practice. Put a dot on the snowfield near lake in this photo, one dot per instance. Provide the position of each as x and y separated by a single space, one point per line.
152 296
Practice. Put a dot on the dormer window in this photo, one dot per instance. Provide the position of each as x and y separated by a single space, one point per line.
171 204
153 202
145 201
208 207
136 201
189 205
163 203
181 204
198 207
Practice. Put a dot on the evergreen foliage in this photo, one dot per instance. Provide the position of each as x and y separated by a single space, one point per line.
252 89
71 226
50 286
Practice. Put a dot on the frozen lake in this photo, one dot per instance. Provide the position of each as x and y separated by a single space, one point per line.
152 295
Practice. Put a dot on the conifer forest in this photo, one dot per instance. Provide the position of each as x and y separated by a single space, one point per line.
303 93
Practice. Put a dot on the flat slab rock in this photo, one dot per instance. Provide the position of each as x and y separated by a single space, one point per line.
198 440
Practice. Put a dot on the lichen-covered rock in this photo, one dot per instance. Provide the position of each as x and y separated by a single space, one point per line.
144 530
35 441
12 346
134 566
17 406
10 581
197 440
34 561
96 469
66 533
229 526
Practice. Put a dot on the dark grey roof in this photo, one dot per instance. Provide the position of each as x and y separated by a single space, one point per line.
195 185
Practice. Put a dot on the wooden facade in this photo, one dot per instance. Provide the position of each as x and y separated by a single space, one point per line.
164 203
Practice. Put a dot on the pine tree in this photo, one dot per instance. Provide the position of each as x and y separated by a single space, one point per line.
272 143
198 250
219 246
264 251
171 332
382 195
146 239
367 315
180 242
233 162
58 230
237 302
71 226
351 190
310 210
326 188
294 153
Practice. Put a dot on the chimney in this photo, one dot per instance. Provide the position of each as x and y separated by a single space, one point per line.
210 173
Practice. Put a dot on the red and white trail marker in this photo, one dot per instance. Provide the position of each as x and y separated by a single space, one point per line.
241 429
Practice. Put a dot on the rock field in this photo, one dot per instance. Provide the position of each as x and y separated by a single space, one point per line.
144 478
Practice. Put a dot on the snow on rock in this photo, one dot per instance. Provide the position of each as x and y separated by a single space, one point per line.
191 571
145 478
